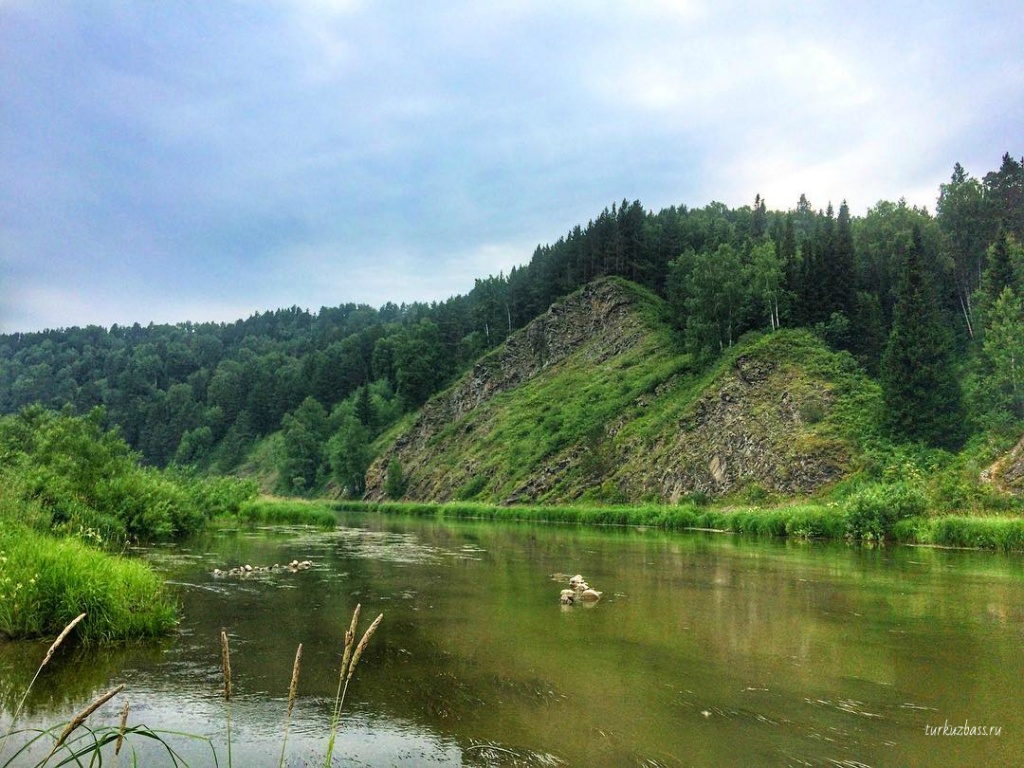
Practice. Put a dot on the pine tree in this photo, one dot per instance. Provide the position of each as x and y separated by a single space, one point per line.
843 266
921 393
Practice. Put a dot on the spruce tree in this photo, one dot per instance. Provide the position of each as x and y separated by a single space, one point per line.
843 267
999 272
920 391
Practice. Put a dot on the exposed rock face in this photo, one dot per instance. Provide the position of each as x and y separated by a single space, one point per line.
1008 471
758 423
602 310
748 429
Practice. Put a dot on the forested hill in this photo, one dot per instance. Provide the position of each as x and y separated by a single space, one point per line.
928 304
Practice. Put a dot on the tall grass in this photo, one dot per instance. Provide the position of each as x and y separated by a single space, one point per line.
46 582
349 660
269 511
77 743
875 512
225 663
1005 534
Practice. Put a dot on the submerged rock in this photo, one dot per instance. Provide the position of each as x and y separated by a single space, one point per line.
579 591
249 570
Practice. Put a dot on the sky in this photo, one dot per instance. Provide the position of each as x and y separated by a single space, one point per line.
171 161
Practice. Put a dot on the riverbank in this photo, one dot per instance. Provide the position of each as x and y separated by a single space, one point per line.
876 514
45 582
72 497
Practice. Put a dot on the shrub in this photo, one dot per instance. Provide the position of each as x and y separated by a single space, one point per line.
472 489
396 482
872 511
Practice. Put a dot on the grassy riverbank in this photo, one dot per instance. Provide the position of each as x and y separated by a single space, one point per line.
276 511
45 582
875 513
72 496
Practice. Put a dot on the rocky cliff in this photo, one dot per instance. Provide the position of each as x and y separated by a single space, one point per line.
594 400
1008 471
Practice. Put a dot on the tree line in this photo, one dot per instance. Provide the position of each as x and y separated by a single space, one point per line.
931 304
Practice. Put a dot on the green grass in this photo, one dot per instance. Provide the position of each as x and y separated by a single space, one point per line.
272 511
803 520
862 517
45 582
1005 534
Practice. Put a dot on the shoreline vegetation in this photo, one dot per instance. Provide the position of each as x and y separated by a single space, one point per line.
77 742
876 515
73 498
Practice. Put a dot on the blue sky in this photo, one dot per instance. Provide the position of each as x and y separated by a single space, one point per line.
169 161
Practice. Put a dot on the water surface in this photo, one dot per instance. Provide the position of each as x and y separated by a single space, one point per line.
704 650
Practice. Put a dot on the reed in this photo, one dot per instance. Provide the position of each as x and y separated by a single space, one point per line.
81 717
293 690
225 663
46 660
79 744
350 658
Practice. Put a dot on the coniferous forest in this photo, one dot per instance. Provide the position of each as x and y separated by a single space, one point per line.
930 305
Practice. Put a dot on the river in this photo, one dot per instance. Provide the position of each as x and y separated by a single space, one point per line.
705 649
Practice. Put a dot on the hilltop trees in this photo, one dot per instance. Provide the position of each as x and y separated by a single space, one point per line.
203 394
921 393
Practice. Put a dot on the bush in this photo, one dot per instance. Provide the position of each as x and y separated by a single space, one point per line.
472 488
872 511
396 482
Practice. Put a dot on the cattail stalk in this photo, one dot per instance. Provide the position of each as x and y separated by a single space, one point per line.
225 662
46 660
81 717
60 639
348 667
293 690
350 639
120 730
362 647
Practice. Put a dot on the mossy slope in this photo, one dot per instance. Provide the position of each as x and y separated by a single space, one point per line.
594 400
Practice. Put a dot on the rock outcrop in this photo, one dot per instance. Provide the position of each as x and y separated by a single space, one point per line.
763 422
1008 471
601 315
754 426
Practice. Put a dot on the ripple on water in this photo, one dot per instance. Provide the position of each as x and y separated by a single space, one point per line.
382 546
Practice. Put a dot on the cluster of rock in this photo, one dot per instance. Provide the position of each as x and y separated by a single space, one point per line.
248 570
579 592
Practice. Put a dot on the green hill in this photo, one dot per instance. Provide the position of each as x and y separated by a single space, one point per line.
594 400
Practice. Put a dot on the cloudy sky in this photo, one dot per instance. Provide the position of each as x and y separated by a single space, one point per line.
169 161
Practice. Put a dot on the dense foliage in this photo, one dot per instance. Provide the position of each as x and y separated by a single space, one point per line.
71 495
326 385
68 475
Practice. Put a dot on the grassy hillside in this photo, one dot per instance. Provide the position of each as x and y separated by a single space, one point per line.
595 401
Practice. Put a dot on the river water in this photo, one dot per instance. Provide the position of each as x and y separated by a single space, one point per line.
705 649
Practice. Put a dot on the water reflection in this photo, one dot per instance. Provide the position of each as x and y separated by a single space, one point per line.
704 650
